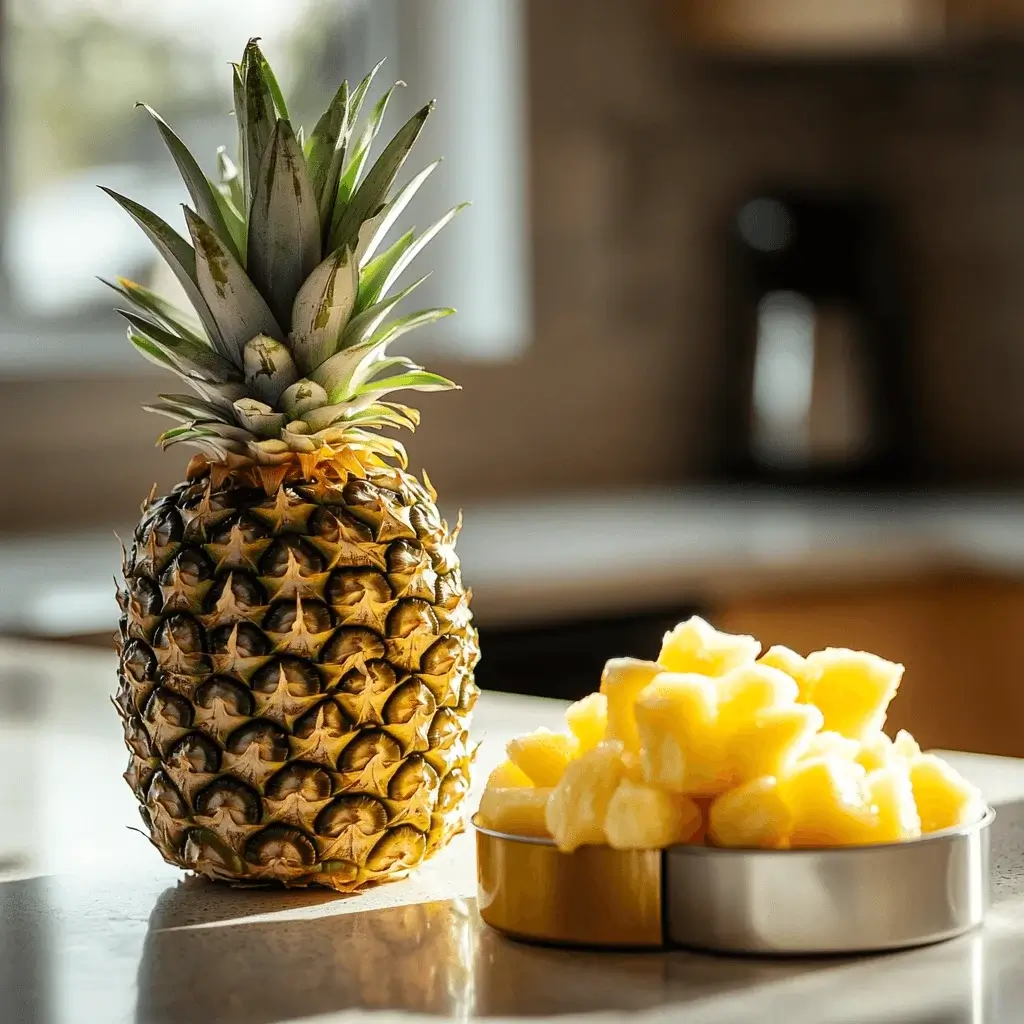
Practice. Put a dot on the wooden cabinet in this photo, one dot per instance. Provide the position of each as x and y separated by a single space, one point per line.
961 639
808 27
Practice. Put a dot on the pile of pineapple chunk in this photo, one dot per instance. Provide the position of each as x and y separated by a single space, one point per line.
717 744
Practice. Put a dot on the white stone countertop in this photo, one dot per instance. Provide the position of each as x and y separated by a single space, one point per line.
95 928
608 552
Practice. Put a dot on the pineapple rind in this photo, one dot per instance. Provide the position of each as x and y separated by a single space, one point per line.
296 680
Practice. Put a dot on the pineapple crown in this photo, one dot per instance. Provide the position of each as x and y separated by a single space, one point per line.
287 348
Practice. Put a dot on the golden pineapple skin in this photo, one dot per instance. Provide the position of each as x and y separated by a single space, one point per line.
296 677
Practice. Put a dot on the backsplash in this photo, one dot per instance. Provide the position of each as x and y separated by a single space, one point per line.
637 154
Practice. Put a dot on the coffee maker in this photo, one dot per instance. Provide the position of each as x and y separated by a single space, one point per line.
815 380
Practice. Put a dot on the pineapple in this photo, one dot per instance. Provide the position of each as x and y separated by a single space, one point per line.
542 755
853 689
944 798
588 720
752 814
575 813
642 817
517 811
296 645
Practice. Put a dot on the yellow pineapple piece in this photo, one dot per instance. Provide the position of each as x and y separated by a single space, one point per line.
633 765
829 743
518 811
642 817
905 745
892 801
772 742
576 812
745 691
542 755
853 689
682 748
621 683
876 752
943 796
828 800
753 814
588 720
696 646
507 776
795 666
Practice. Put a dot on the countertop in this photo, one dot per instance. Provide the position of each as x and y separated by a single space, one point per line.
607 552
95 928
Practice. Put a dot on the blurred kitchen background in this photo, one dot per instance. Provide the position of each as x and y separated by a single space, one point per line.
741 315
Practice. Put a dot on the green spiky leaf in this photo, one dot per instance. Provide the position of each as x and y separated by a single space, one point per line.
284 227
185 355
350 176
421 242
361 326
373 275
179 256
237 307
271 81
325 155
355 105
259 418
375 230
415 380
258 115
166 314
372 193
204 195
190 407
322 309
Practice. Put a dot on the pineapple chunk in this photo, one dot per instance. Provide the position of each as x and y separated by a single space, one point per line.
588 720
795 666
507 776
828 800
542 755
696 646
576 811
682 748
772 742
753 814
875 752
642 817
892 800
944 797
854 689
746 691
830 744
519 812
621 683
905 745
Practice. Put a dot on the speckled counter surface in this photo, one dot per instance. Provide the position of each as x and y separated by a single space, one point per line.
95 928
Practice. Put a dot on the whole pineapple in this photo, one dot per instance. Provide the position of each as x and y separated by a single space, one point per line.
296 646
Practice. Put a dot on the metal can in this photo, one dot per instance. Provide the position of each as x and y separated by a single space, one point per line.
852 899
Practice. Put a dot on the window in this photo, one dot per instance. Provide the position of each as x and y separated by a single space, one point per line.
75 68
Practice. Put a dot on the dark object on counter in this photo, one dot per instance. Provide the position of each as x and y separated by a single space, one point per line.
565 659
816 386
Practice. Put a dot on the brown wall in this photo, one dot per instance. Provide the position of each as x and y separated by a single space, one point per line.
637 155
